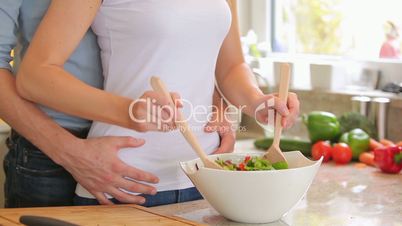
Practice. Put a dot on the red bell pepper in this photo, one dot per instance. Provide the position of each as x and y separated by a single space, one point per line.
389 159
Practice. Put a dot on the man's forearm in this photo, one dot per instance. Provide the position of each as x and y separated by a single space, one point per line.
31 122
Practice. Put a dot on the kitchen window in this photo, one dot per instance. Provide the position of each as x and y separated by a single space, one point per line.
355 28
330 30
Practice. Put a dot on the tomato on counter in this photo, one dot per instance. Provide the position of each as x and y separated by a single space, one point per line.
322 148
341 153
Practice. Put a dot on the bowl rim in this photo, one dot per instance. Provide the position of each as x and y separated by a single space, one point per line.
313 163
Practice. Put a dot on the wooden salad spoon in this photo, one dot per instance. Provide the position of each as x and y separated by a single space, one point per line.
274 154
159 86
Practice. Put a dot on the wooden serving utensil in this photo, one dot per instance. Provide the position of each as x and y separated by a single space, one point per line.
274 153
159 86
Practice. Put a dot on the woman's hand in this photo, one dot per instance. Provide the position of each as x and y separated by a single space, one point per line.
219 122
226 133
265 107
153 112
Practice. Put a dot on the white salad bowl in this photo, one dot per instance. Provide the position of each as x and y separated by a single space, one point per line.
253 196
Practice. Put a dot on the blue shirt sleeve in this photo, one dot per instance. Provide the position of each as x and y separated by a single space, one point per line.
9 12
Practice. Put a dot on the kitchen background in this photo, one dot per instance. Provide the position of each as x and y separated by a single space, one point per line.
333 47
335 53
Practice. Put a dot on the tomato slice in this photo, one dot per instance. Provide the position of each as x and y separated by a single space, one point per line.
242 167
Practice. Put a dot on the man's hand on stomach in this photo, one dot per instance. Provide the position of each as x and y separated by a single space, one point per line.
95 165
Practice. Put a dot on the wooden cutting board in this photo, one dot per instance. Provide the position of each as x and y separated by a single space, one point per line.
121 215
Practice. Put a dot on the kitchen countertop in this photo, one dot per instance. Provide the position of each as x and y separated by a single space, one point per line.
352 194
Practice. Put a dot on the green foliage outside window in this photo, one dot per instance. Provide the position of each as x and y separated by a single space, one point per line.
318 26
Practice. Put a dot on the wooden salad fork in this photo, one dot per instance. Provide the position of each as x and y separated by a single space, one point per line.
159 86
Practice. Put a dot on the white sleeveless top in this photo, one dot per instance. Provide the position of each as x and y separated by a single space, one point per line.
177 40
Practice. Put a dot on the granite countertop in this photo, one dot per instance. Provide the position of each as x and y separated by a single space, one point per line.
340 195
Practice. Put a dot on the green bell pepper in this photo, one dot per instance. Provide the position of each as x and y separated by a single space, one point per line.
358 141
322 126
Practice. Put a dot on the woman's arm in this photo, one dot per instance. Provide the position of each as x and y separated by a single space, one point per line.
235 78
232 72
42 78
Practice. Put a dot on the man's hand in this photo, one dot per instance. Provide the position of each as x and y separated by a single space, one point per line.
94 164
225 130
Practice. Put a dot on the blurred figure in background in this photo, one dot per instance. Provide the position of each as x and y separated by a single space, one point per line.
390 48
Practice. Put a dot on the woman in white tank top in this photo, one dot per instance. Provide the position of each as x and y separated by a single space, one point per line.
187 43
